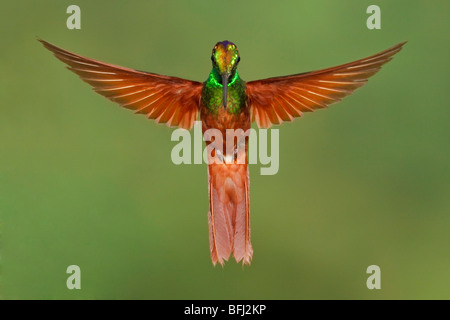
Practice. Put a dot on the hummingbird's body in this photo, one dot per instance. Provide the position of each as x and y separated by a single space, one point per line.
224 101
228 181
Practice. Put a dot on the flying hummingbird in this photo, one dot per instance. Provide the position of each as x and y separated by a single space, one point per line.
224 101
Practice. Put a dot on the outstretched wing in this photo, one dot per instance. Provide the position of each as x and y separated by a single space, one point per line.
279 99
169 100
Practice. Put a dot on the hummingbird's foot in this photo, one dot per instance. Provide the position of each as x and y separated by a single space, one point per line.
226 159
219 155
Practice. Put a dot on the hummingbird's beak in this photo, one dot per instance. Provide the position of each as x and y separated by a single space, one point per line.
225 88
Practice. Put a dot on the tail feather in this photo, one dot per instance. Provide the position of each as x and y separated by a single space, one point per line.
229 214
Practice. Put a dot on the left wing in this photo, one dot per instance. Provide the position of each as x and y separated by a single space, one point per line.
170 100
279 99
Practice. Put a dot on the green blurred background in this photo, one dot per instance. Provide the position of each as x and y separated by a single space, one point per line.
85 182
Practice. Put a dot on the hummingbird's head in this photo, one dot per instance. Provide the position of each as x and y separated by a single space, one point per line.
225 58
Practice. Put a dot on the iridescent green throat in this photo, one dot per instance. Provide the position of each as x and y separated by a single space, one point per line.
212 93
214 79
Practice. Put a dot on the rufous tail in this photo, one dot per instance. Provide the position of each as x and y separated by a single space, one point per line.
229 213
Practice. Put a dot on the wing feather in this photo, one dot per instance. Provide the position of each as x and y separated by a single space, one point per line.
279 99
169 100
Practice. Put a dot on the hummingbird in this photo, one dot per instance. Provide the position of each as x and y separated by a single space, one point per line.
224 101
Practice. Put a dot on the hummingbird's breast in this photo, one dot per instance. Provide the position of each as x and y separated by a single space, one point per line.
236 115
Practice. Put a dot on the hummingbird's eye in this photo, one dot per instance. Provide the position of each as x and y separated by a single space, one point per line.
213 59
238 59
